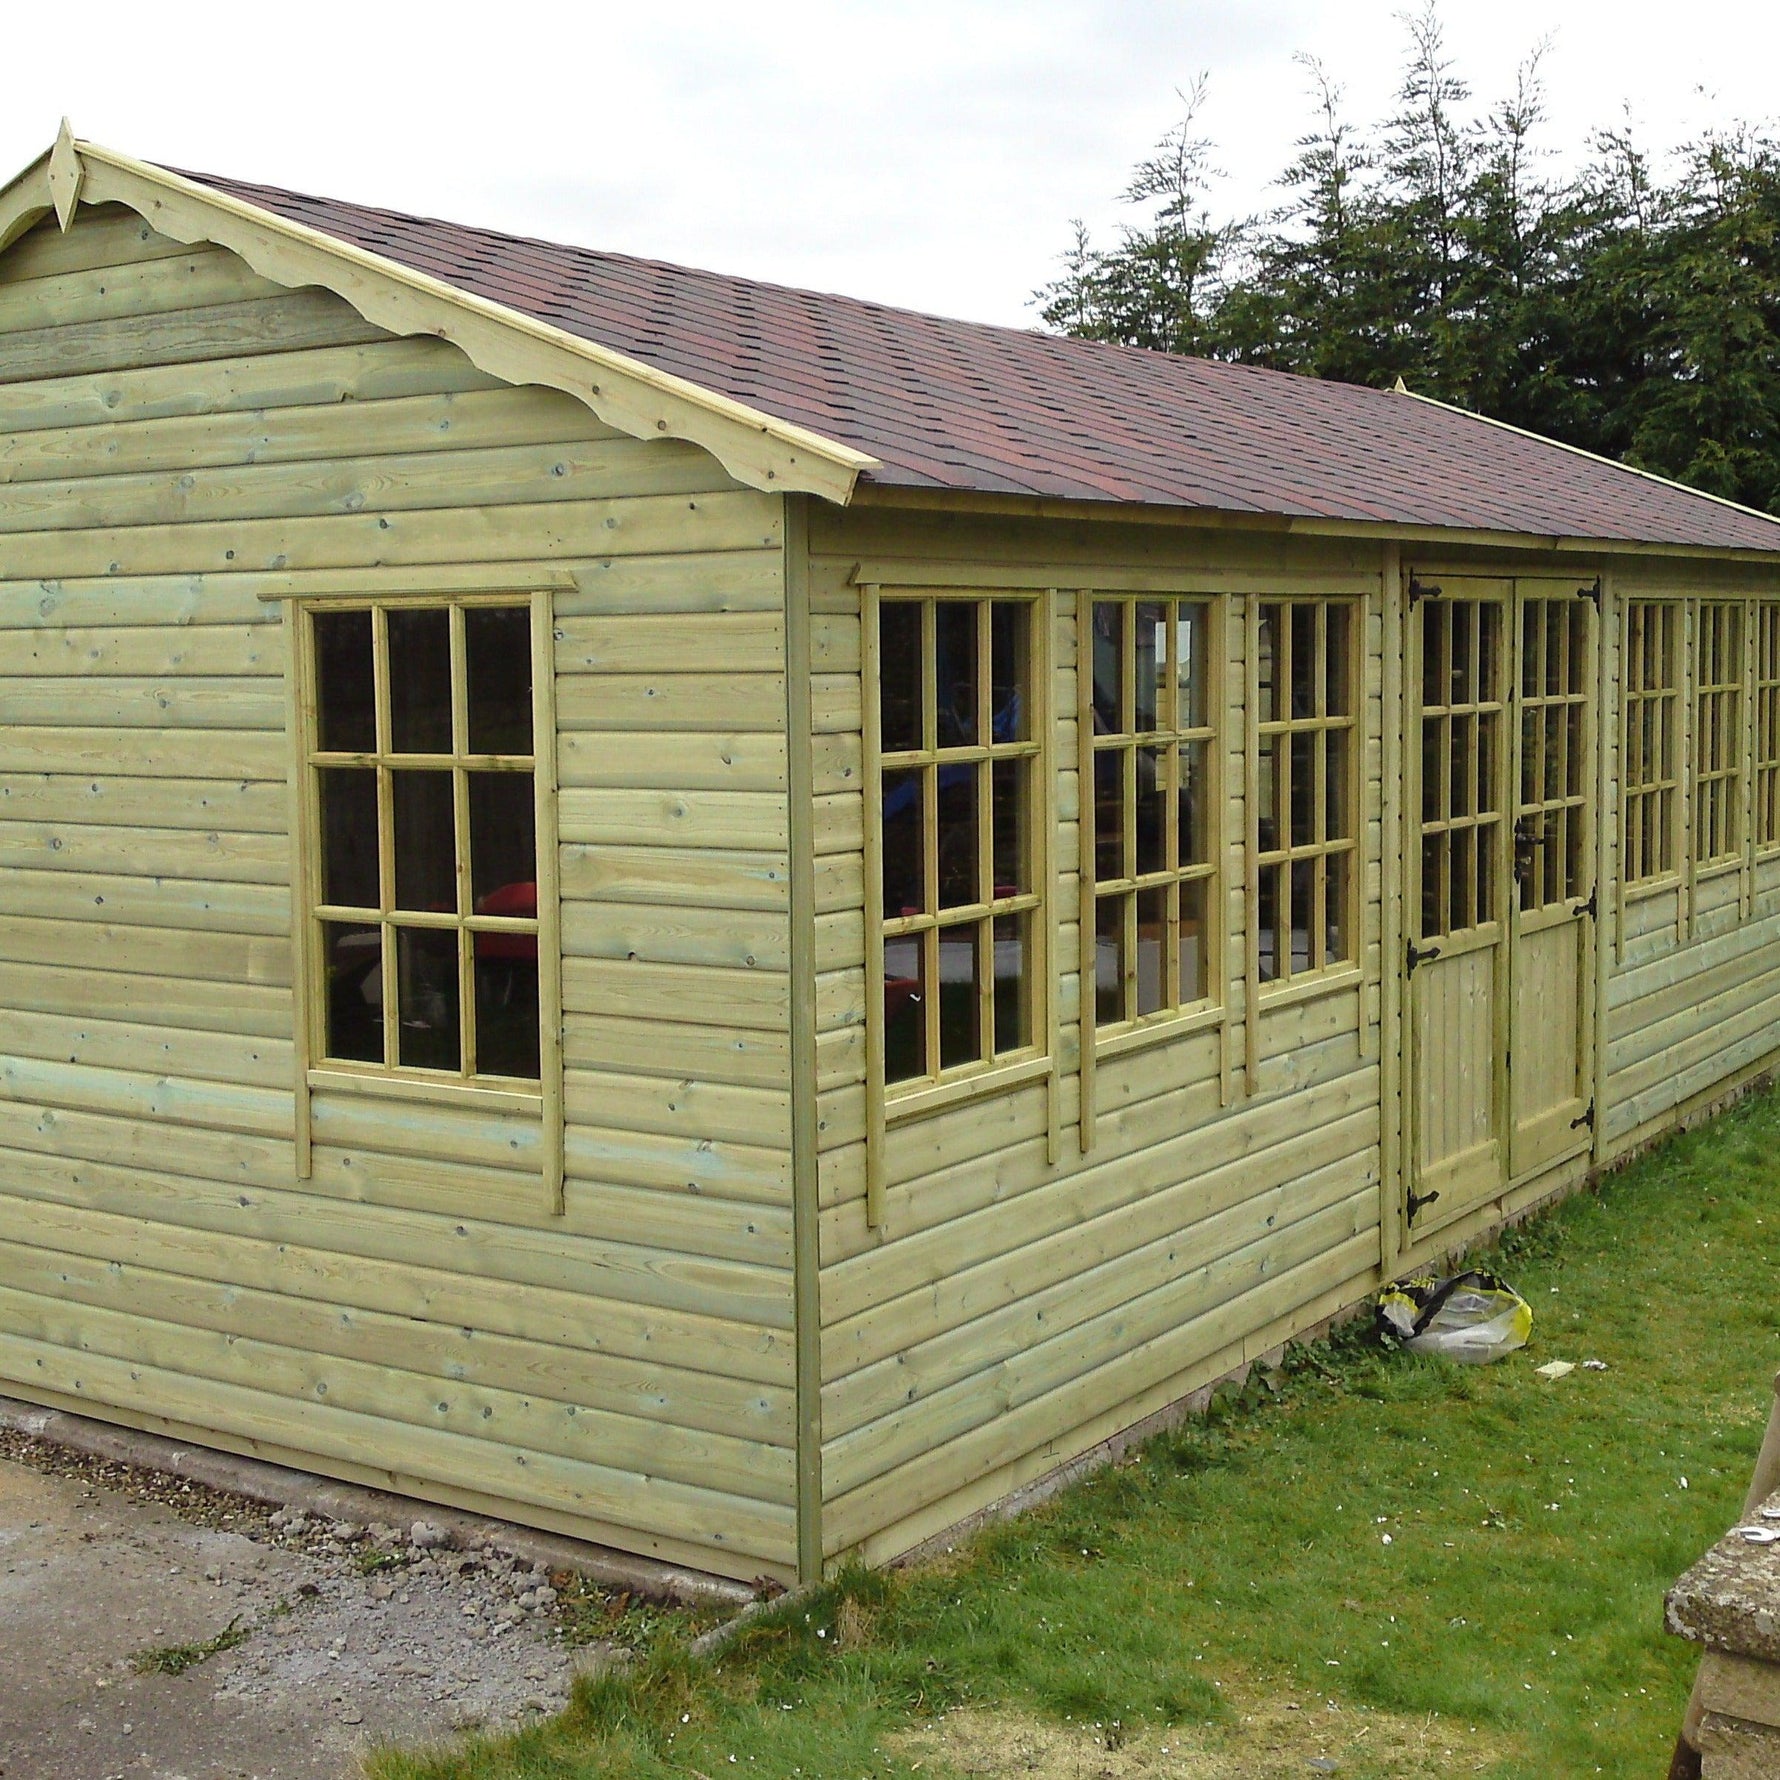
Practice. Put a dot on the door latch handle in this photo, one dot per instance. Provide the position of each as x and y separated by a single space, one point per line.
1419 955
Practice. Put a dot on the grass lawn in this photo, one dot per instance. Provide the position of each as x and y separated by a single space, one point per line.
1394 1565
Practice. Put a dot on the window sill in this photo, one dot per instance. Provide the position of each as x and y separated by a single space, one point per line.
1115 1041
1337 981
1670 882
379 1086
1719 868
932 1097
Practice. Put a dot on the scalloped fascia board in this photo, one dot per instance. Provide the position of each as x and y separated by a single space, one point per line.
756 448
25 201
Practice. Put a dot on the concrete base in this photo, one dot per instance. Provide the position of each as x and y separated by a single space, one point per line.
1735 1749
262 1482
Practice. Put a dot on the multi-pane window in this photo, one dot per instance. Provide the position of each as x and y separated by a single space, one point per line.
423 880
959 825
1767 725
1461 751
1551 813
1651 758
1307 792
1154 817
1718 733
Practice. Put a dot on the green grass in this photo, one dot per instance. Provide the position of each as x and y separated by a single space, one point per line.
1534 1527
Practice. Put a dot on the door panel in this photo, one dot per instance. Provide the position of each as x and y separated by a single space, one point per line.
1499 878
1554 868
1457 901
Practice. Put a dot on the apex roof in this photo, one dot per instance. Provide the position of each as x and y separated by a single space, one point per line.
915 401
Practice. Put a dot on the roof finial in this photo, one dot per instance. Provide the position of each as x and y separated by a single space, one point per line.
66 175
1399 388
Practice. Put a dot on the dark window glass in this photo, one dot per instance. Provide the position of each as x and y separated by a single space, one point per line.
353 959
1194 937
1152 950
1304 687
420 681
1195 804
1267 664
960 871
1304 780
1010 698
1109 960
1013 1020
345 707
1303 911
1335 909
498 652
1109 814
905 1010
1150 639
899 674
503 844
1109 667
1433 654
1267 947
349 837
1335 785
904 832
1010 805
1191 634
507 1004
1152 809
1337 666
426 991
960 995
425 841
957 671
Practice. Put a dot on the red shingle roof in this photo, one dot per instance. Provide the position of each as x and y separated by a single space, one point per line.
959 405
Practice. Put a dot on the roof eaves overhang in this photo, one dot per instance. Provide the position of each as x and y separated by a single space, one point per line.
758 449
1051 507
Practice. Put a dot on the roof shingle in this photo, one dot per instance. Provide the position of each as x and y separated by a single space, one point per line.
960 405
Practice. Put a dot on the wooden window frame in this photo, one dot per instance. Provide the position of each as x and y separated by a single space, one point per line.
1720 755
1284 984
393 1080
892 1102
1765 672
1663 697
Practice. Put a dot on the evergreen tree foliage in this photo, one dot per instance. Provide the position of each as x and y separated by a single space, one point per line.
1632 314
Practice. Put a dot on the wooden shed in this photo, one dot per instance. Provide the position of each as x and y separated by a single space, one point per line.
736 922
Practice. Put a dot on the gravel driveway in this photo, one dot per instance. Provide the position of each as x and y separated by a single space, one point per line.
226 1641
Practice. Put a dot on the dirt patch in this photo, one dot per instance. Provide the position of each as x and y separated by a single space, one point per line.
1267 1737
159 1627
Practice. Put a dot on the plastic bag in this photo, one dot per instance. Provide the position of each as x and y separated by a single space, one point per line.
1472 1317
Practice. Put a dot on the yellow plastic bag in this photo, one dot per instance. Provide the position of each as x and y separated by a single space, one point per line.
1472 1317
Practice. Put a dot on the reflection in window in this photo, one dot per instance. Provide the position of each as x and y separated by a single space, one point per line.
421 772
958 824
1306 789
1154 815
1717 733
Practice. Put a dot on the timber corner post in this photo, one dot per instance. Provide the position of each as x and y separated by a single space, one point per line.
805 1210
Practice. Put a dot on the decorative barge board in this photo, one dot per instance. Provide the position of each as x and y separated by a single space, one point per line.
632 900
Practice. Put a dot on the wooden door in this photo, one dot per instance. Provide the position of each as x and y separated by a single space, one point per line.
1550 1066
1456 910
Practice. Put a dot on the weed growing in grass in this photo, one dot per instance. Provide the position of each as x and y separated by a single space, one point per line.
1463 1559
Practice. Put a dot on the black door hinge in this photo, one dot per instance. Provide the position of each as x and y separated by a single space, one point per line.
1585 1117
1590 908
1592 592
1417 1201
1418 955
1420 590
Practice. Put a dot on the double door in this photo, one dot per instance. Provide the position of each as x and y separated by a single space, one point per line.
1499 897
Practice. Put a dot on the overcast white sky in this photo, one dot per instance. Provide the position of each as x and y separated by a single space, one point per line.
924 152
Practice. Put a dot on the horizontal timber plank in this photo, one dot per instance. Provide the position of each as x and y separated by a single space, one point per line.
654 1505
616 817
647 702
240 1011
748 580
196 906
658 934
170 701
212 650
158 952
675 1049
749 999
448 420
285 323
683 1106
248 383
164 1100
676 877
726 1171
52 1266
131 1043
98 849
235 806
110 235
199 278
704 643
697 760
